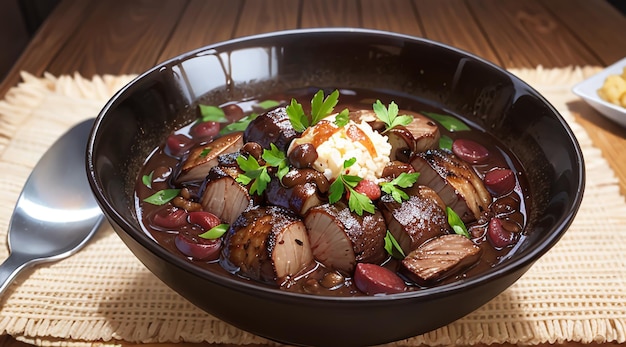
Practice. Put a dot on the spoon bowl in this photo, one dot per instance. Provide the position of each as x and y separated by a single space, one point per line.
56 213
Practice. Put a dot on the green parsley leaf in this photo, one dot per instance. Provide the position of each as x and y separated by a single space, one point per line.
162 197
445 142
248 163
349 162
205 152
404 180
212 114
389 115
267 104
342 118
258 175
351 180
260 183
336 190
298 119
276 158
449 122
359 202
147 179
239 125
215 233
273 156
456 223
393 247
322 107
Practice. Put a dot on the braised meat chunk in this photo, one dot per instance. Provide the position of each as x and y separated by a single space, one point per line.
268 244
440 258
454 180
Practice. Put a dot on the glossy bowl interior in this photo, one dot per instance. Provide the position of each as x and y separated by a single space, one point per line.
140 116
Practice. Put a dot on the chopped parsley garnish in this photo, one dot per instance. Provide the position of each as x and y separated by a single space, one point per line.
162 197
393 247
320 107
239 125
357 202
445 142
147 179
267 104
389 115
451 123
404 180
456 223
258 174
342 118
210 113
205 152
215 233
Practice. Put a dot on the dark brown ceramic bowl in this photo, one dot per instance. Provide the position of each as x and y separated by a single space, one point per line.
139 117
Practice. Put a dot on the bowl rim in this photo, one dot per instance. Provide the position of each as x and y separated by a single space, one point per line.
516 262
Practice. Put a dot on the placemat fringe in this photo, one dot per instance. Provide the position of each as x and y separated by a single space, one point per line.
574 293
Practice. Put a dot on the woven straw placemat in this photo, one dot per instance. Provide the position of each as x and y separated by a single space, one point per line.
104 294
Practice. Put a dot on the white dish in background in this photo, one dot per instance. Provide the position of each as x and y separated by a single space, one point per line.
588 91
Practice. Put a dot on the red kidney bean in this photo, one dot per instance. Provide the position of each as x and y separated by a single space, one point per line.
178 144
169 218
500 181
233 112
470 151
374 279
498 235
369 189
197 247
505 205
205 130
206 220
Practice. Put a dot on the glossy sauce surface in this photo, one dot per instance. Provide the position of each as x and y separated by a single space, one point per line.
316 279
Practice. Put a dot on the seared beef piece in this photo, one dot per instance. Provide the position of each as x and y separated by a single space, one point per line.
298 198
302 176
455 181
271 127
441 257
424 130
402 143
223 196
267 244
340 238
419 135
416 220
201 159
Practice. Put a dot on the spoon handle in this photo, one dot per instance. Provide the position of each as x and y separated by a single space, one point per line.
9 269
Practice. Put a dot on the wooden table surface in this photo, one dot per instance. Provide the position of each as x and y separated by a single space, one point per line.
130 36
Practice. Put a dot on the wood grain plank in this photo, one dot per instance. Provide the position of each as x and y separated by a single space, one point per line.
330 13
205 22
525 35
118 37
392 15
265 16
451 22
49 40
598 24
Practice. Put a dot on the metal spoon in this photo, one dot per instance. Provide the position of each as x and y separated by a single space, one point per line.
56 213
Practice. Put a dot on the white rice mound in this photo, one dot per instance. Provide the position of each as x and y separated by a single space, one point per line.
338 148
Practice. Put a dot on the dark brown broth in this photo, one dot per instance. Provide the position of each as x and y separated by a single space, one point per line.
361 99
